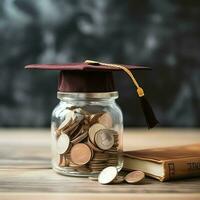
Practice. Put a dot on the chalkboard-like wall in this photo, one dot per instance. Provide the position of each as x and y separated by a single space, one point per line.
164 35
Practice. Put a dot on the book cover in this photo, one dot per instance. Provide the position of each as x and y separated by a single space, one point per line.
165 163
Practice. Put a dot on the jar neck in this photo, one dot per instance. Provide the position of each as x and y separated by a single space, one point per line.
88 97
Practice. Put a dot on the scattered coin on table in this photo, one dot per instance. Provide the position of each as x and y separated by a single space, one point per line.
107 175
134 177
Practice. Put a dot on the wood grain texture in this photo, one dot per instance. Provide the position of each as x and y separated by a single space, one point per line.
25 169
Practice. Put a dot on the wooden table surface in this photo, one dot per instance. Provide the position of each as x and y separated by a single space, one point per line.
25 170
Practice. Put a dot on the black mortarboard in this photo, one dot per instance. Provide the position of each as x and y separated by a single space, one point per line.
93 76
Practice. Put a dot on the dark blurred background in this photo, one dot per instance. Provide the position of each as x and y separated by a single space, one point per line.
164 35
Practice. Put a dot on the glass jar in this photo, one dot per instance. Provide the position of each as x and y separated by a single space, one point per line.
86 133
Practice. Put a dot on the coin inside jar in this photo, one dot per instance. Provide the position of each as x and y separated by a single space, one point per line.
107 175
93 129
106 120
63 143
134 177
104 139
80 154
68 119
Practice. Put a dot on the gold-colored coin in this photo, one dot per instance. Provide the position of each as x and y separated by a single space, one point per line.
80 154
134 177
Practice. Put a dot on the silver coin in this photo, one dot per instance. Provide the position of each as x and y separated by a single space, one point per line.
107 175
104 139
63 143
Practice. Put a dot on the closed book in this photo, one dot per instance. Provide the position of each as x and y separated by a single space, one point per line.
165 163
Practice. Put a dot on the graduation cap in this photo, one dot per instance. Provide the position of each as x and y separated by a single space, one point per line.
94 77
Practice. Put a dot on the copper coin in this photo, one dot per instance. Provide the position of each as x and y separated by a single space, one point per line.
93 129
106 120
80 154
134 177
104 139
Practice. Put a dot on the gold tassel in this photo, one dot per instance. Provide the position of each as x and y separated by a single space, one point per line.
147 109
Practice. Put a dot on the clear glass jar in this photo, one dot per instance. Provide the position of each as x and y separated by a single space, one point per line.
87 130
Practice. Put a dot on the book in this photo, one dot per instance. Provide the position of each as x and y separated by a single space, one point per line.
165 163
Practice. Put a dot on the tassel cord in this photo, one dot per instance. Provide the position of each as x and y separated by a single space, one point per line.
140 91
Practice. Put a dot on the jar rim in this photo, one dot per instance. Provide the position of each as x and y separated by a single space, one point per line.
88 95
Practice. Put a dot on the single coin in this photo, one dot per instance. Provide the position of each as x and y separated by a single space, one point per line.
107 175
104 139
106 120
93 129
63 143
68 119
134 177
80 154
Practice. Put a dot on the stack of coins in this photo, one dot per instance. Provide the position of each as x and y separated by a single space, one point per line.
86 142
